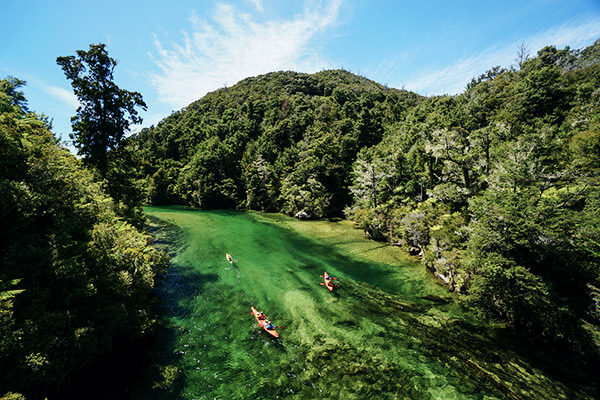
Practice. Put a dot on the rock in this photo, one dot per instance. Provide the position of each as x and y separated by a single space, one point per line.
302 215
442 277
415 251
436 299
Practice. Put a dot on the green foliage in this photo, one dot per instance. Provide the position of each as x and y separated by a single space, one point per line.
205 181
379 173
73 275
279 142
125 182
106 111
168 378
497 189
6 294
12 100
163 184
261 185
504 290
13 396
102 121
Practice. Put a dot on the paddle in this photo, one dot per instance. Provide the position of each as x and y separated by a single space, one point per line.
332 277
280 327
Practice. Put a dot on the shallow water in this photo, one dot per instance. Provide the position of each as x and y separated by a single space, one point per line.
389 331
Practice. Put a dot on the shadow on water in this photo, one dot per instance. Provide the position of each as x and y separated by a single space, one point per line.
163 378
109 376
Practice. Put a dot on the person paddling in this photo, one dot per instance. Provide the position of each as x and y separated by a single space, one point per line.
328 281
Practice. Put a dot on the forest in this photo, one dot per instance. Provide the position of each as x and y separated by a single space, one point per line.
77 269
495 189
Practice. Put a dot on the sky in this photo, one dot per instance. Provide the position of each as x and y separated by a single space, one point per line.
174 52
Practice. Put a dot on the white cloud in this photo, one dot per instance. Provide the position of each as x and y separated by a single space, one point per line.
454 78
258 5
65 96
233 46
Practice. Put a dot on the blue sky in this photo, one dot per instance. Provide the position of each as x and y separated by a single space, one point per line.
174 52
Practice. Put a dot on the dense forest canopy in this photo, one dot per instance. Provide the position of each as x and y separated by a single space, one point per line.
279 142
496 188
74 275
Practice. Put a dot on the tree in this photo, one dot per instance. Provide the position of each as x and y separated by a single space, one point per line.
369 174
260 185
512 292
522 55
73 275
105 112
539 93
454 148
379 173
533 160
11 99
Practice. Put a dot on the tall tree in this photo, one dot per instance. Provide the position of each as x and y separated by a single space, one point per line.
105 112
522 54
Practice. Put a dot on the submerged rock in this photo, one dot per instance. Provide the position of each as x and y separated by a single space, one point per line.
437 299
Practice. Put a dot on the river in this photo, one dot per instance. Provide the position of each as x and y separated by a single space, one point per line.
388 331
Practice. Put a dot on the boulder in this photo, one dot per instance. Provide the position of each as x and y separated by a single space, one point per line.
302 215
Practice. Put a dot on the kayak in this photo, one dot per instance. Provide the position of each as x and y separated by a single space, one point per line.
263 322
328 282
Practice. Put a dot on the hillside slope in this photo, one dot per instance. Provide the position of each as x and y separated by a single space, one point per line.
283 141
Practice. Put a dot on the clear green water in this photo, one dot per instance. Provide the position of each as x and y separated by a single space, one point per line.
388 332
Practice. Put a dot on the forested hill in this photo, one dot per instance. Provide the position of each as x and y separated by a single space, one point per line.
497 188
284 141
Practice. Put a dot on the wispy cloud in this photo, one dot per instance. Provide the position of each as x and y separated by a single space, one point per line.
63 95
454 78
258 5
232 46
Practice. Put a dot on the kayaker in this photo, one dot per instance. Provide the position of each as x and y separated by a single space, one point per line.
270 326
261 315
327 277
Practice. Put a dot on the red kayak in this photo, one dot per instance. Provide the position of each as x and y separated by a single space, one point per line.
264 322
328 282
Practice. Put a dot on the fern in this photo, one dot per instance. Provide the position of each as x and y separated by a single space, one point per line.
9 294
